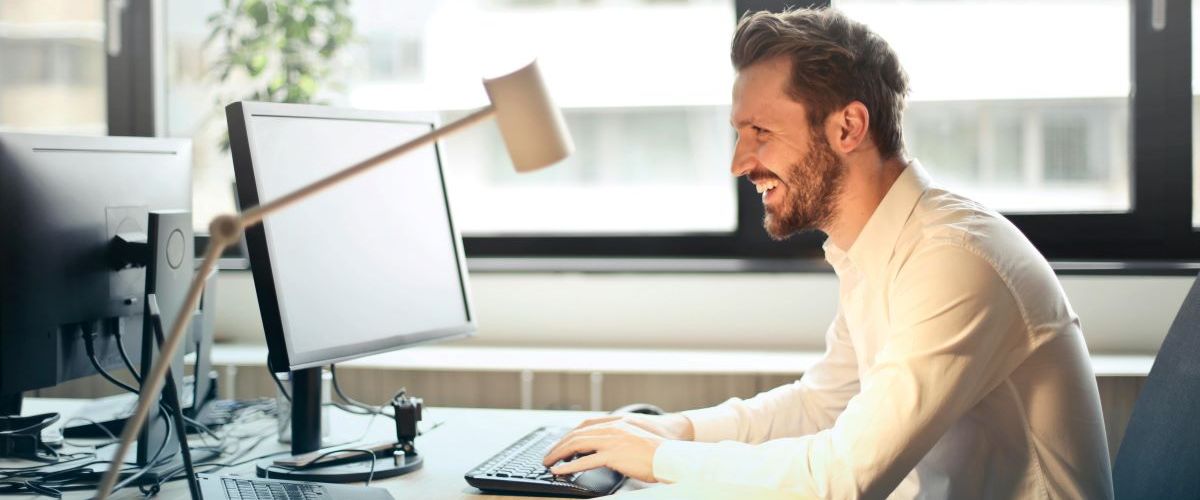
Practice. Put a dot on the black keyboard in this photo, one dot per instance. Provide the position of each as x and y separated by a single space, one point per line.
266 489
519 469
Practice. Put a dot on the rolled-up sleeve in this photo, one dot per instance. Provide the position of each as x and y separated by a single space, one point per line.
955 333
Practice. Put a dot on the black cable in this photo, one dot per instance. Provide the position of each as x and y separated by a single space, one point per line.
42 490
90 347
222 449
108 376
338 390
46 483
102 428
366 408
359 411
153 462
125 356
278 384
201 427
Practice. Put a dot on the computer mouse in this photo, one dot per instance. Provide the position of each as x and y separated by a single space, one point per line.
643 408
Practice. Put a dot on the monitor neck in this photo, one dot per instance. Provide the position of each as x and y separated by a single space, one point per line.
306 410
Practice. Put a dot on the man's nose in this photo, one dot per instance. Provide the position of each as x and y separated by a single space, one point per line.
743 160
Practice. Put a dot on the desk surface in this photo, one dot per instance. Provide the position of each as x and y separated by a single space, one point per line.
465 439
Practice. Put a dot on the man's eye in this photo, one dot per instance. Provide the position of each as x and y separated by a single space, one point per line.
759 130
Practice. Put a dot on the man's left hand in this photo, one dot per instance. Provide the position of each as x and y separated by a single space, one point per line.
616 444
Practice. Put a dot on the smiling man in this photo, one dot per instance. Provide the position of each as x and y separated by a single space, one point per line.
955 366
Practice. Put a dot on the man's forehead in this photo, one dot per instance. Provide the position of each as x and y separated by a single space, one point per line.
768 76
758 90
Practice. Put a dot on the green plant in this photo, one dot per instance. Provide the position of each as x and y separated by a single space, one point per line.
286 49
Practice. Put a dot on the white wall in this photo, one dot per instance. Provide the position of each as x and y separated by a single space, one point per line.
1120 314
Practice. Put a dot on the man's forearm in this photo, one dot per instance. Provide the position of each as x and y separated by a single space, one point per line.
679 427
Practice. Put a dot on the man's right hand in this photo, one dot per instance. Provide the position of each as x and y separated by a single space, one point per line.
670 426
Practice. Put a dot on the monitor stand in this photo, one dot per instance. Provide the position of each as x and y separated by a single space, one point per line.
306 438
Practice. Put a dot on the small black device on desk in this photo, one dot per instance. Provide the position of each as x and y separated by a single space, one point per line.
519 469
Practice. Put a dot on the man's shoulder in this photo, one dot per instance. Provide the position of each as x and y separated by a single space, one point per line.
942 217
957 234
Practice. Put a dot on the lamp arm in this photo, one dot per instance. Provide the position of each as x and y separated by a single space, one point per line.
225 230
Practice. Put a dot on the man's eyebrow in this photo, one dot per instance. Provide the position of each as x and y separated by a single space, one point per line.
740 123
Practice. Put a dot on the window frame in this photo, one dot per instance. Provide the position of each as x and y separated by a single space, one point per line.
1158 226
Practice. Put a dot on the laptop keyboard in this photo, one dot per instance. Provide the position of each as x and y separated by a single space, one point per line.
266 489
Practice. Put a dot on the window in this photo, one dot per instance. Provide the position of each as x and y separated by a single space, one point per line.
1070 116
1035 122
53 66
644 87
1195 59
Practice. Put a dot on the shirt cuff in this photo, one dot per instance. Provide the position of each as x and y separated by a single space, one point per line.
715 424
678 460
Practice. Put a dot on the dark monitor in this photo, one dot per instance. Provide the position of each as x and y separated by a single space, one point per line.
371 265
63 199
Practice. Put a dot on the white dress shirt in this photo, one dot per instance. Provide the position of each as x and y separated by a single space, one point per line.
954 368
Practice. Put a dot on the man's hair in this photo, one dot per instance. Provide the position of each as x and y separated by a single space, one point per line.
835 61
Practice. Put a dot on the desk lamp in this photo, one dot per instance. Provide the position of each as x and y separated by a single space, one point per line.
533 132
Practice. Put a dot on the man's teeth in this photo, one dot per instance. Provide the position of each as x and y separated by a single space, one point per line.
765 186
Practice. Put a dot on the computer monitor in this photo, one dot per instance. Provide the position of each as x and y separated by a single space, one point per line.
66 299
63 199
371 266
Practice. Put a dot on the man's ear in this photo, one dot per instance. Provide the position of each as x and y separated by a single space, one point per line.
849 127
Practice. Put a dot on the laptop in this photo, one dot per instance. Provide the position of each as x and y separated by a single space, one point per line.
219 487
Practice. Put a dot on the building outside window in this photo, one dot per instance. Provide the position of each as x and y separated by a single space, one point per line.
52 79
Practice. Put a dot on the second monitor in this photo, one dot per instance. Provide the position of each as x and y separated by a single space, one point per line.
373 266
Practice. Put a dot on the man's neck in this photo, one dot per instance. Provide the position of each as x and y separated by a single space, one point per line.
864 187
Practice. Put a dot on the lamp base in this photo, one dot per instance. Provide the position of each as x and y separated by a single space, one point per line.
353 472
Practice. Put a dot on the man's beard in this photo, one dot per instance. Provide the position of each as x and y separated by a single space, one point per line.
813 188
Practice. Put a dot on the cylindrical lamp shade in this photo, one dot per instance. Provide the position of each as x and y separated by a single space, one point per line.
532 126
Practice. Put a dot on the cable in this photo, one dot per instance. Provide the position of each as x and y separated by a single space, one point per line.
111 436
90 347
204 429
91 352
163 410
38 482
365 408
125 355
278 384
338 389
251 409
370 475
76 471
153 462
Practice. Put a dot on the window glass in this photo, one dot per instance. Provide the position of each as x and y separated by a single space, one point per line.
52 79
1021 105
644 87
1195 118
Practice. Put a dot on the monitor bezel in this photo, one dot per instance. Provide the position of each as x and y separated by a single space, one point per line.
280 356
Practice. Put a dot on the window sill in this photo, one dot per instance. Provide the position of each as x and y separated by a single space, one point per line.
614 361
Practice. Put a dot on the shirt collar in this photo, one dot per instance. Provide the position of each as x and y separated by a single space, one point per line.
874 245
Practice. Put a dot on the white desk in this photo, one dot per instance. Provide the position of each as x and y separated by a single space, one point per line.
466 439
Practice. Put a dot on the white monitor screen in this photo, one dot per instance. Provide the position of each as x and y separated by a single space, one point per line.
370 265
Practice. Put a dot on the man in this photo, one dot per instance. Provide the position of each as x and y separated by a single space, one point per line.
955 367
